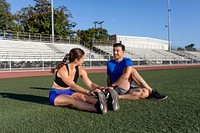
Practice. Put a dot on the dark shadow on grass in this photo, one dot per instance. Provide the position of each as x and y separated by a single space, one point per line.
26 98
40 88
33 99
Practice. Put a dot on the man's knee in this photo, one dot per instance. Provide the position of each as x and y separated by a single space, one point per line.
144 93
133 70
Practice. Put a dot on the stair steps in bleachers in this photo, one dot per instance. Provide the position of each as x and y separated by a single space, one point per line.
54 48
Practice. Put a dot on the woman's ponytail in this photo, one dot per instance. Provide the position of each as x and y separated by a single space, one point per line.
64 61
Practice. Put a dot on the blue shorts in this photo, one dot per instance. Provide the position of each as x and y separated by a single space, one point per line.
56 92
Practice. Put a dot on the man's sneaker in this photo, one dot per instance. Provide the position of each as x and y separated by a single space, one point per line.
101 104
157 95
113 100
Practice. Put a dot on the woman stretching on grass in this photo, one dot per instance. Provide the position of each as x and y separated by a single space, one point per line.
65 91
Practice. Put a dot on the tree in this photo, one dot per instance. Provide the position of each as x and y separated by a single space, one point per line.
180 49
190 47
37 19
88 36
17 25
6 18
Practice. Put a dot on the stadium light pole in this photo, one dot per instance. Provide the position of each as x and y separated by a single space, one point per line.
169 34
52 22
101 24
95 24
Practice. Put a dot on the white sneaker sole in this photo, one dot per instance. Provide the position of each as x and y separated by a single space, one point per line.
115 100
103 104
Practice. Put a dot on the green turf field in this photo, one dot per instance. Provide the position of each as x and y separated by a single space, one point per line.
24 107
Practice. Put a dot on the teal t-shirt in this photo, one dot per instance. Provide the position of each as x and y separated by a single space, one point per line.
115 69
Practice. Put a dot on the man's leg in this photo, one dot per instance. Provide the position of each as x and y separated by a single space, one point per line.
135 94
139 93
141 82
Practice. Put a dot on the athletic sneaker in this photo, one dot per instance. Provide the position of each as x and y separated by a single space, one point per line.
157 95
101 104
113 98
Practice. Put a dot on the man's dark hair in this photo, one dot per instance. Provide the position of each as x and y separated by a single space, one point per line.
119 45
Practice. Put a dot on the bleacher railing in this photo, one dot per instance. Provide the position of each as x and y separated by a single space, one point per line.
40 62
9 62
13 35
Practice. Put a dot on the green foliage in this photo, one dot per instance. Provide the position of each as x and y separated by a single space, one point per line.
37 19
180 49
6 18
190 47
87 37
25 108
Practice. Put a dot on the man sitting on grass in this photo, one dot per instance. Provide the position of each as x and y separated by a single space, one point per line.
120 74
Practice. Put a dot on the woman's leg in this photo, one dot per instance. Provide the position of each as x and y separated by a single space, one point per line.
65 100
85 98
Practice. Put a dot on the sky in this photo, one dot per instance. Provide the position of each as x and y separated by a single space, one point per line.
146 18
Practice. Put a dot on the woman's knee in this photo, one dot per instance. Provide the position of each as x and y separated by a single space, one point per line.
80 96
63 100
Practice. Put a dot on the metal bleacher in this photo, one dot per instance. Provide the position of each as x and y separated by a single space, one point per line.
25 54
189 54
144 54
26 51
65 48
39 51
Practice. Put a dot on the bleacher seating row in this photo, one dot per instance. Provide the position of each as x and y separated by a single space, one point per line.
38 51
152 54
